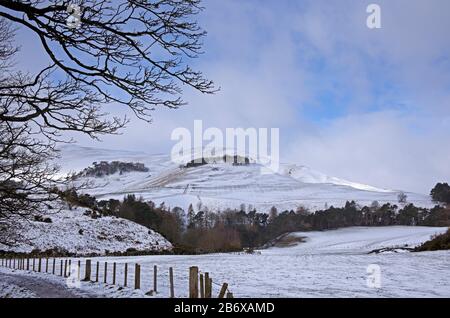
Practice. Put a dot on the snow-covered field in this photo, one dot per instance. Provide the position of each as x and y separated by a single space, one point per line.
222 185
74 232
329 264
28 284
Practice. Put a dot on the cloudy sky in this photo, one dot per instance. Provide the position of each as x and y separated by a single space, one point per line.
371 106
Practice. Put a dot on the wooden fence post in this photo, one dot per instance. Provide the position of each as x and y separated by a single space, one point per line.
39 265
46 265
106 273
96 273
69 268
87 271
34 264
28 263
155 277
202 287
137 276
172 292
65 268
114 273
125 278
61 269
54 266
193 282
79 270
223 290
208 286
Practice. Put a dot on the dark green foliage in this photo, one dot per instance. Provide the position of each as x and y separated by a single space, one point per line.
140 212
105 168
441 193
437 216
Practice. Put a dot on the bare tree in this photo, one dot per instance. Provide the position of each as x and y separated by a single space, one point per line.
127 52
27 183
132 53
402 197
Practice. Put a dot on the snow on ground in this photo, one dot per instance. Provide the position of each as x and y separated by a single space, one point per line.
10 290
329 264
354 240
74 232
222 185
28 284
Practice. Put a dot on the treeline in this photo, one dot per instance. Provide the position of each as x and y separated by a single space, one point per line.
105 168
441 193
201 230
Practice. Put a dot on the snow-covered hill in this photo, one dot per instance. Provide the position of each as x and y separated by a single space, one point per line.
72 231
222 185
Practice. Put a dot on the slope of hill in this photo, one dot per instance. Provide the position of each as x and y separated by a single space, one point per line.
73 232
222 185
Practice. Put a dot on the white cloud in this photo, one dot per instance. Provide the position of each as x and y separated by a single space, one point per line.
386 149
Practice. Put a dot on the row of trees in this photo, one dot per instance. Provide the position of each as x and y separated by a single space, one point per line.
201 230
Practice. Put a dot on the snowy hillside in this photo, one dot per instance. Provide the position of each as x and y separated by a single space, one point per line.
73 232
222 185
